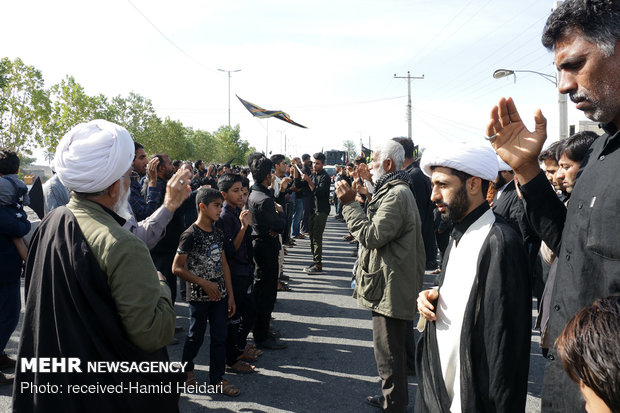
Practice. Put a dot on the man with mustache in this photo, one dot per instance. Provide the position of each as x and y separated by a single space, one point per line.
390 269
585 36
474 352
92 291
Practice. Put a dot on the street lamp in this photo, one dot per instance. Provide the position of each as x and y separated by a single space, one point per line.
229 72
562 100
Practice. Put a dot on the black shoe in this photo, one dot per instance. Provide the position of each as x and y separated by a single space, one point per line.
6 362
6 379
272 344
375 401
284 277
178 329
274 333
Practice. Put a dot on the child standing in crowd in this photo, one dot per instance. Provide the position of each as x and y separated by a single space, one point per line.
234 222
13 196
200 259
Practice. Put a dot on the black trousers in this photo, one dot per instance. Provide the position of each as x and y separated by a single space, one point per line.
240 324
308 200
388 336
265 285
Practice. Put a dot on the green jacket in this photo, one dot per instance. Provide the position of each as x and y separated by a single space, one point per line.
143 303
390 269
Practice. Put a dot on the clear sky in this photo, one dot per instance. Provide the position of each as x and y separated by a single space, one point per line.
329 64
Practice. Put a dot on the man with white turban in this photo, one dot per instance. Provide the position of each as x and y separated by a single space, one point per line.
474 350
92 292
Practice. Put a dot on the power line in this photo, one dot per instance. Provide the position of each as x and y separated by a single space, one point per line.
169 40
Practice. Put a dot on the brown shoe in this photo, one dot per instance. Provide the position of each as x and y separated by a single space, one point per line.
6 379
6 362
300 236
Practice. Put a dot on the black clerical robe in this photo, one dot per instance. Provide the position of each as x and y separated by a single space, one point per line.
70 312
495 337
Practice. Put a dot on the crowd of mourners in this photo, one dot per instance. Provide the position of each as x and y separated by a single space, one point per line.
494 222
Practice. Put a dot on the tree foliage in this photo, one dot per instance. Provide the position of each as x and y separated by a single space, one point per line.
24 104
32 116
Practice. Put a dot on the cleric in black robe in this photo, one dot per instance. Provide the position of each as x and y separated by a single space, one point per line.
473 355
92 291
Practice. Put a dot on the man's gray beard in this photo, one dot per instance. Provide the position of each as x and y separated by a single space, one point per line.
377 173
122 205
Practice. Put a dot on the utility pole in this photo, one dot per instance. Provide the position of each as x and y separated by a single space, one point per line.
562 98
229 72
409 77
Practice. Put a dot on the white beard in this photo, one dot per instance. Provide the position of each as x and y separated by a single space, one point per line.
377 173
122 205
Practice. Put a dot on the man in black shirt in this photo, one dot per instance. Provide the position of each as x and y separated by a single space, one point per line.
267 224
586 39
318 183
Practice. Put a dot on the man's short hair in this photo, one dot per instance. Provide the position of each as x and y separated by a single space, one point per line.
197 164
590 349
277 158
226 181
253 156
261 168
136 146
206 196
9 162
407 145
160 156
576 146
305 157
598 20
320 156
550 153
394 151
176 163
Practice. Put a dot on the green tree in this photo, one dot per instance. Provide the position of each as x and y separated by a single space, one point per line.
204 145
229 145
70 105
24 104
170 137
136 114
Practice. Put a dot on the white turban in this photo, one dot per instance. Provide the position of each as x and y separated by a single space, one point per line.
476 159
503 166
94 155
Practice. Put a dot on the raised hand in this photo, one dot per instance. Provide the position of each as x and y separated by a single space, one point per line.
513 142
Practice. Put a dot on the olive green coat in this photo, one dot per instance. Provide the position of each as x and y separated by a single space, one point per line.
391 264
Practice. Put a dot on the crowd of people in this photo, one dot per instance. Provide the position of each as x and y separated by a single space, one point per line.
123 230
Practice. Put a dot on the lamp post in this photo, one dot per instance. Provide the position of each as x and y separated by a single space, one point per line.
229 72
562 100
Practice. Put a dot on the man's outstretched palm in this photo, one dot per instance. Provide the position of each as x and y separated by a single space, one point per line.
513 142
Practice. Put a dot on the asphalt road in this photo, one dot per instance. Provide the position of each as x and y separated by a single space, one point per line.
329 364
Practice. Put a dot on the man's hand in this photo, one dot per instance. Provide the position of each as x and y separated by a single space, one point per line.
279 208
232 308
213 292
151 171
364 172
245 217
425 306
284 183
177 190
516 145
273 234
305 178
344 192
360 188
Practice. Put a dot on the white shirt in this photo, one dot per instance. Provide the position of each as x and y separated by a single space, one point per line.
454 293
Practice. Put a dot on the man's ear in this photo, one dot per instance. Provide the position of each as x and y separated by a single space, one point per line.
474 185
114 190
388 165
